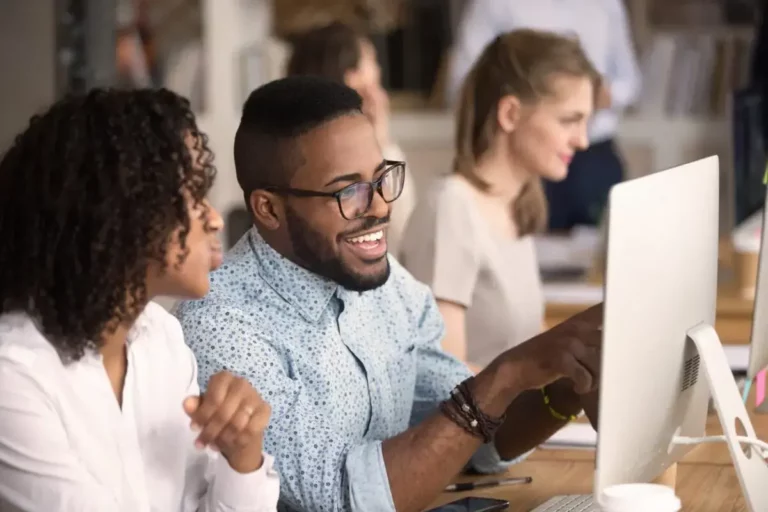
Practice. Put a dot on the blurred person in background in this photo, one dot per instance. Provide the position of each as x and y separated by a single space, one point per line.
338 52
759 70
136 54
522 115
603 29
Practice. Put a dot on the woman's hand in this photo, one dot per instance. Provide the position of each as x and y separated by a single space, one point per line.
231 417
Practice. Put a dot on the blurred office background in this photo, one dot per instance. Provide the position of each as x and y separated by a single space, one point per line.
696 56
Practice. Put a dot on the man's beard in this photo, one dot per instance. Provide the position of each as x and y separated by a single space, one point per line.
313 250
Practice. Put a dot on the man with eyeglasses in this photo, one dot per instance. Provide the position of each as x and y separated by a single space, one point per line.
368 413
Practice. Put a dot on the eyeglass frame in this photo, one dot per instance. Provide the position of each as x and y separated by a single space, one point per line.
374 186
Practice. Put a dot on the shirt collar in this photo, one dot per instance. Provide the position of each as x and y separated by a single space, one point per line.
308 292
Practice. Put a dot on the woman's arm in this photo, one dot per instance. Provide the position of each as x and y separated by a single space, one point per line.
39 470
455 340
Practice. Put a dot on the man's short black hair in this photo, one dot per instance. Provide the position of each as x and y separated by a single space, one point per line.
274 116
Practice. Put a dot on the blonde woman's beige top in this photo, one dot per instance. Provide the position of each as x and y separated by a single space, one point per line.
450 246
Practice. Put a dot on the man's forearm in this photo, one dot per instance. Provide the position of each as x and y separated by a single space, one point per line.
530 422
422 460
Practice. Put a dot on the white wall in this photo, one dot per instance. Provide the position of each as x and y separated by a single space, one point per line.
229 26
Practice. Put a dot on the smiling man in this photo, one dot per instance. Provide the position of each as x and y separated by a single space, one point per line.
343 342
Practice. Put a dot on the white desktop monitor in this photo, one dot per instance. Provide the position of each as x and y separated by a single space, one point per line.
660 281
758 352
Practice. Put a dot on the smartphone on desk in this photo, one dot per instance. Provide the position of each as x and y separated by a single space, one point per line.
473 505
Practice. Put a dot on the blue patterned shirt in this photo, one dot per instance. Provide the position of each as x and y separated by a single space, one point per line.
342 370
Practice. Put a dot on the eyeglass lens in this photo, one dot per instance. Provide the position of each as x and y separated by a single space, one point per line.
356 199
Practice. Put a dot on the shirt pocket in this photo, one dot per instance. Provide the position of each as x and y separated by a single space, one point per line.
402 368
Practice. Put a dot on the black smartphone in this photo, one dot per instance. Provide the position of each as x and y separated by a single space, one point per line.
473 505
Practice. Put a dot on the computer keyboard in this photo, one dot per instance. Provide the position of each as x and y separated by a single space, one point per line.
570 503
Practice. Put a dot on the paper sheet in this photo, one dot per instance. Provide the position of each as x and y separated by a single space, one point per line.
573 436
738 357
572 293
576 250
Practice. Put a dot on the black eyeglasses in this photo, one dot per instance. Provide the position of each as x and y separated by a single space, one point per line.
354 200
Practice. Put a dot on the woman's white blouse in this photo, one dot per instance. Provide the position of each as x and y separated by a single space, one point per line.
66 445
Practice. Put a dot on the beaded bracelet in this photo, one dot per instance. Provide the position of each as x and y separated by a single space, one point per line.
464 398
463 410
555 414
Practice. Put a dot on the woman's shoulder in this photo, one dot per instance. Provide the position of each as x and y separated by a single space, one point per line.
452 186
157 340
445 215
21 341
446 194
454 203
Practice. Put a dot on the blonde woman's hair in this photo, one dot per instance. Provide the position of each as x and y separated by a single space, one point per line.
521 63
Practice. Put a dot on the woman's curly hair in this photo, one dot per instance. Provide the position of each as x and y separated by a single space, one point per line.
90 194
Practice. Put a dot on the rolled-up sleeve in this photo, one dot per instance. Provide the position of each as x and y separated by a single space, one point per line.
438 373
369 489
319 470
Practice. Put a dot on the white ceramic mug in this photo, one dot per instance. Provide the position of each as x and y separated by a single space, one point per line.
639 498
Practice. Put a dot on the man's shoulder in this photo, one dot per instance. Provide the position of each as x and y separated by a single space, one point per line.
235 288
402 287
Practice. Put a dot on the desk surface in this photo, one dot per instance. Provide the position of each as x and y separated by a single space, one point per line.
702 488
706 480
734 310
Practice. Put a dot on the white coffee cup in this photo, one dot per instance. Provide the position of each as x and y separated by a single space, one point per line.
639 498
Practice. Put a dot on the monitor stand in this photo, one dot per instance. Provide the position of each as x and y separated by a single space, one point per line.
750 467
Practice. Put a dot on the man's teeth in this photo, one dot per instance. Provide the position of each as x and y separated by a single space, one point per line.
370 237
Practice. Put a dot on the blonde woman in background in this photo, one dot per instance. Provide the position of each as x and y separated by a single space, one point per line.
522 115
338 52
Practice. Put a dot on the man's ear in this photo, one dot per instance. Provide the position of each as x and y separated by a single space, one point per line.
508 113
267 209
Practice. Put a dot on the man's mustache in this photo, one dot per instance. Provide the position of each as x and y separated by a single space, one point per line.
368 223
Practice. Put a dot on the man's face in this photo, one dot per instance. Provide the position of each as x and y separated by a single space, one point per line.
351 252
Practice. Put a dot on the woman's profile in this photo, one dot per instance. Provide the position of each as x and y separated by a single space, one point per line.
103 208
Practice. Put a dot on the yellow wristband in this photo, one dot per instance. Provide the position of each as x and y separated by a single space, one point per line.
552 411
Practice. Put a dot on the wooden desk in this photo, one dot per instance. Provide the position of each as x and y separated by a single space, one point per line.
706 480
701 487
734 311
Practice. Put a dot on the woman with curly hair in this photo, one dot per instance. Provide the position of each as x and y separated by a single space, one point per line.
102 208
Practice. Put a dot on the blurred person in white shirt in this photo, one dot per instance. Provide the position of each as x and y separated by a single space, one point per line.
603 31
103 208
